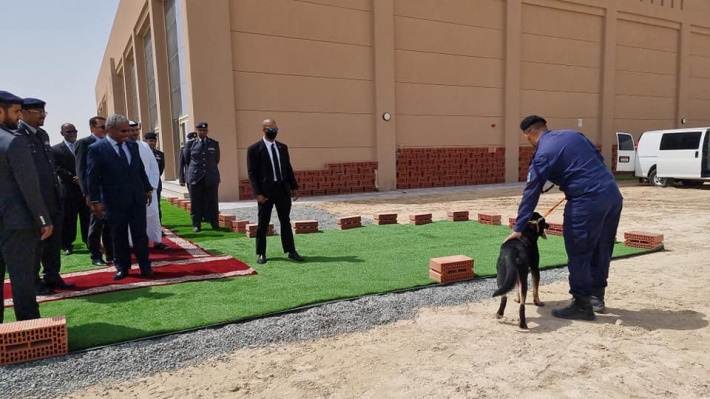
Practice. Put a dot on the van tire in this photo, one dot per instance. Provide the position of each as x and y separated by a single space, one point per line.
657 181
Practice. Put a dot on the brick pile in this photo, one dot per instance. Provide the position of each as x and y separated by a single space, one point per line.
251 230
418 219
27 340
385 218
171 200
348 222
445 167
305 226
451 268
457 216
640 239
226 220
239 226
554 228
511 222
489 218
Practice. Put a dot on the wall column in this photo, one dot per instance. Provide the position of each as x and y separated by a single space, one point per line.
608 98
141 80
513 59
385 131
683 71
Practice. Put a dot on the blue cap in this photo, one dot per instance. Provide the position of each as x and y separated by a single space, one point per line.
9 98
531 120
151 135
32 103
192 135
201 125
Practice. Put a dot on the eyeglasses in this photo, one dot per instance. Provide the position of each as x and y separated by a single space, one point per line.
72 131
100 126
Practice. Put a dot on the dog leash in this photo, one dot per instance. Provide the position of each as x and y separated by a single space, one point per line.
549 211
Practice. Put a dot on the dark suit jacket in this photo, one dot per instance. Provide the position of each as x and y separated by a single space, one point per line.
65 166
81 147
160 157
202 161
44 163
118 186
261 173
21 203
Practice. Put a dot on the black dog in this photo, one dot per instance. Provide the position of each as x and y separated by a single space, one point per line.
516 258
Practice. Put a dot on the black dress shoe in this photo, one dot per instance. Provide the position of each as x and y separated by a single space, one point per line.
120 275
261 260
147 273
58 283
67 252
42 289
196 229
160 246
98 262
216 228
295 256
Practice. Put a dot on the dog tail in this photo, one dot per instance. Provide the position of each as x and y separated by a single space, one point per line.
507 275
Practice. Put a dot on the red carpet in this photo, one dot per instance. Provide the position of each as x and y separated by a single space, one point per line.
183 262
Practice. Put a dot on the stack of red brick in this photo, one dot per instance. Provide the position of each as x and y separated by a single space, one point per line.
457 216
251 230
511 222
171 200
489 218
305 226
348 222
444 167
337 178
385 218
420 218
451 268
640 239
239 226
226 220
27 340
554 228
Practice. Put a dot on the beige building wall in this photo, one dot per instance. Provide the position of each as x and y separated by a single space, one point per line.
454 74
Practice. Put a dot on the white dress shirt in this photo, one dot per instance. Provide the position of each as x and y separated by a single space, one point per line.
271 157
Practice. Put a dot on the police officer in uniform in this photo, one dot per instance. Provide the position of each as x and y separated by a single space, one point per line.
591 217
24 219
49 253
182 166
202 176
152 140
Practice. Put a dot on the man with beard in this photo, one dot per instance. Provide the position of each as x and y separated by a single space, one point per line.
24 219
72 199
49 252
99 229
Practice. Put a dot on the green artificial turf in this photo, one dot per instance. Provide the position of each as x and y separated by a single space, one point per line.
339 264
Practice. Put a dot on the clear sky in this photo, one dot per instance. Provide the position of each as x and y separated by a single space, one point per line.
52 50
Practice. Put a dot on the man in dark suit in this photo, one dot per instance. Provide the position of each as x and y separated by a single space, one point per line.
182 166
119 186
24 219
99 229
202 160
152 140
272 179
49 252
72 199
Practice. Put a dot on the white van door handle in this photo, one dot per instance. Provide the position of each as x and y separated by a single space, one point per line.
696 154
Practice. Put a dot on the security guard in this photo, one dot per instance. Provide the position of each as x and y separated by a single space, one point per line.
202 175
152 140
33 115
591 217
24 219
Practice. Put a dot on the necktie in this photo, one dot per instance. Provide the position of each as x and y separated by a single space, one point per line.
122 154
277 164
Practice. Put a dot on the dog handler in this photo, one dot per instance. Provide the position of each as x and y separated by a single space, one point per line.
591 217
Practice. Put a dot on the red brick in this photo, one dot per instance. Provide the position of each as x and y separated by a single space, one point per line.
226 220
251 230
385 218
239 226
451 264
489 218
305 226
434 275
644 245
27 340
420 218
643 237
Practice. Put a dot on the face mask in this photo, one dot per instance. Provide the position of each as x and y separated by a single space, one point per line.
271 133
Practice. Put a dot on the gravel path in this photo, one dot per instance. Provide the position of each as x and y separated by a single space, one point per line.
115 364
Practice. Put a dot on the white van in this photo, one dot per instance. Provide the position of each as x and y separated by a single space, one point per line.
664 156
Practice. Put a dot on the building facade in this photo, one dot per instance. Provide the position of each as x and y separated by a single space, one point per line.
386 94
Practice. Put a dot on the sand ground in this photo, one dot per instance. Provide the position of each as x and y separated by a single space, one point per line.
655 342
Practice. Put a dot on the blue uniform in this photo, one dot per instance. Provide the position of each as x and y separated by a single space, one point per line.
591 217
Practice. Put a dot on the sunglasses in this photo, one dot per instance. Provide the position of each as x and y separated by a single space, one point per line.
72 131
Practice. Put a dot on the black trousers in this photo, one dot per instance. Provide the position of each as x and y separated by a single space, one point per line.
160 190
121 222
99 231
281 198
74 207
48 252
17 256
204 203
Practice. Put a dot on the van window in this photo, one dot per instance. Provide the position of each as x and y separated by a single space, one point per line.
681 141
626 142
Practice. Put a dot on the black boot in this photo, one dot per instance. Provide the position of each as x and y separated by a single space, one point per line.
579 309
597 300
